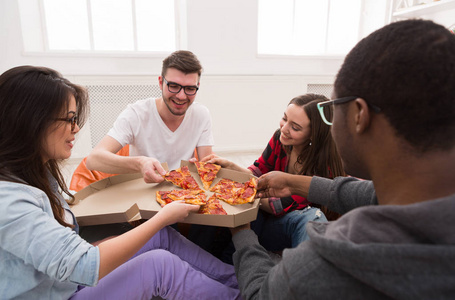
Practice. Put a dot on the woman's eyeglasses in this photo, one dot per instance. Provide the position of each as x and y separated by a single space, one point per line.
72 121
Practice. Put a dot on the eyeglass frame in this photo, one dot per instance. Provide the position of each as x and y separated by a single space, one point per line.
181 86
72 121
321 106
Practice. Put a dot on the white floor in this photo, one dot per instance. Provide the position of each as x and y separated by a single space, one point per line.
243 159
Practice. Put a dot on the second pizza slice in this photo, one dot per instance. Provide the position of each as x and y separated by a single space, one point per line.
207 172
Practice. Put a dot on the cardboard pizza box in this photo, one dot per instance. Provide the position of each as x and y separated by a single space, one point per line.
126 197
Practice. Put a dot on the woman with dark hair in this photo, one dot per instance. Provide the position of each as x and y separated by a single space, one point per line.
41 254
303 145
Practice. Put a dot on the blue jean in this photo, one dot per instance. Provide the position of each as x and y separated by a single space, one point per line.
288 231
168 266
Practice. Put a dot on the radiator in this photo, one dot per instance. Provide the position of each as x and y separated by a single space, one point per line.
321 89
108 101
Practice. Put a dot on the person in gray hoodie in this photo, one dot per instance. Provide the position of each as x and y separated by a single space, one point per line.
393 124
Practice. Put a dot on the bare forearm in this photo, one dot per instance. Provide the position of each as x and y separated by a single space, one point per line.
105 161
265 205
238 168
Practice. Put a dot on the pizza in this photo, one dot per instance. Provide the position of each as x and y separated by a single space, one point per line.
212 207
182 177
207 172
227 185
235 193
247 194
227 190
196 197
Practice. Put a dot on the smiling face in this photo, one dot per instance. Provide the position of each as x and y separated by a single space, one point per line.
295 127
60 137
178 103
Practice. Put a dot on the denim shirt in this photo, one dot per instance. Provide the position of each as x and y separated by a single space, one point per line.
39 258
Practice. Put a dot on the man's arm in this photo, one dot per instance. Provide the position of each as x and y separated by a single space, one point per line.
340 194
203 151
103 158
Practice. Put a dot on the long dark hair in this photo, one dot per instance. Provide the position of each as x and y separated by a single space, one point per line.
321 158
31 98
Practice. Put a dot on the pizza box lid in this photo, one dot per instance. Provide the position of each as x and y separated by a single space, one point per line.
126 198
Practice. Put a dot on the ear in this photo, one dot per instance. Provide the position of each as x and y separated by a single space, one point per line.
160 81
362 115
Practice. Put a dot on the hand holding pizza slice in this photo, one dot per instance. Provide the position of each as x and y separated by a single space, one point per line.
196 197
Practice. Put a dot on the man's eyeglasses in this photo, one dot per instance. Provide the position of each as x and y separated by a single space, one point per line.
327 115
175 88
72 121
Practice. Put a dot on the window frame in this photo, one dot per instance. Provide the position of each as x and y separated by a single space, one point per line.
327 56
180 9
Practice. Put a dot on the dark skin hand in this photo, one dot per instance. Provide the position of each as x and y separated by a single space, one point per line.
279 184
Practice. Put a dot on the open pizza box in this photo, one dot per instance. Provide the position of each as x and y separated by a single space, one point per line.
126 198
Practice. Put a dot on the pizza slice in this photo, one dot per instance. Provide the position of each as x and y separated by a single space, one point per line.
247 194
212 207
235 193
196 197
181 177
207 172
227 185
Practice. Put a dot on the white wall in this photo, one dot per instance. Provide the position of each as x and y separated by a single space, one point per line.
221 33
245 93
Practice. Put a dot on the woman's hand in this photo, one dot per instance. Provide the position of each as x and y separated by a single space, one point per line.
175 212
215 159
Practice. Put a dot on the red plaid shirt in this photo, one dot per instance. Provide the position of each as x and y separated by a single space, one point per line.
274 158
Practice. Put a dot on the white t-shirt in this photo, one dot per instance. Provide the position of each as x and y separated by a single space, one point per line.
141 126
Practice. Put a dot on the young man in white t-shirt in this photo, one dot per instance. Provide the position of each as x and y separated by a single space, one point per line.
166 129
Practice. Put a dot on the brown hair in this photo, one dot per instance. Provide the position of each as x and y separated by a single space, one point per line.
321 157
31 99
184 61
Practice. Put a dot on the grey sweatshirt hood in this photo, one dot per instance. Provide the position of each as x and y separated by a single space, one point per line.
396 250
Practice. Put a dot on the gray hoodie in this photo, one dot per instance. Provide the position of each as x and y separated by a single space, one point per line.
371 252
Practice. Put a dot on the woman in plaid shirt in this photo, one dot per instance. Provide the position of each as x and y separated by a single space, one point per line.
303 145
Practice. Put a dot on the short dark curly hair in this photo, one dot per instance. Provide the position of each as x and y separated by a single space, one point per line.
407 68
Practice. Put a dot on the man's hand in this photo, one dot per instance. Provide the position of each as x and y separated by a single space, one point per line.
279 184
274 184
240 228
151 170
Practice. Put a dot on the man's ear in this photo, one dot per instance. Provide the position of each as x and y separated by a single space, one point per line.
362 115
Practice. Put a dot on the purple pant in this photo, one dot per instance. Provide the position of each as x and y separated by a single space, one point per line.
168 266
